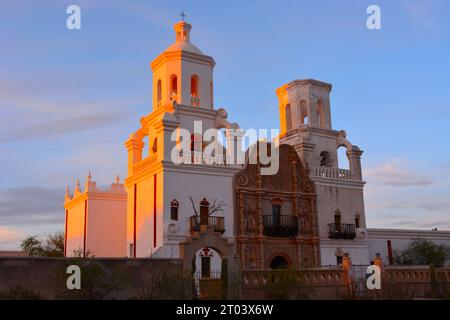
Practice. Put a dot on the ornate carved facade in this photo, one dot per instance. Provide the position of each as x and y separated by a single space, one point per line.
276 217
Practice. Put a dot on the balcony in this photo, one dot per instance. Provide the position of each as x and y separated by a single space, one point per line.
341 231
218 223
195 102
282 226
333 173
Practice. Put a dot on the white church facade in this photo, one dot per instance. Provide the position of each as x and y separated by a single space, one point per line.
310 213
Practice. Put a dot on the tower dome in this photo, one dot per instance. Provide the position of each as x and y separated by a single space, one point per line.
183 73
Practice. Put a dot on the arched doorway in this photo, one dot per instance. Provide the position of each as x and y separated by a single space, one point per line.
279 262
208 273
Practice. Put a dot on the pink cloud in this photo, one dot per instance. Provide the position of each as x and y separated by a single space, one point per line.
9 238
395 172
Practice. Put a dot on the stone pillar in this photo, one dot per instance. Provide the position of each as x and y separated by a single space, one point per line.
134 148
241 213
354 159
204 214
378 261
259 214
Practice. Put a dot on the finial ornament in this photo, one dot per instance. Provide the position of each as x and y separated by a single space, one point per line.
182 15
77 187
67 194
89 176
117 179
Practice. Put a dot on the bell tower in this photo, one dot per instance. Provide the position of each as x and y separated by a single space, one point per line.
305 124
304 103
182 73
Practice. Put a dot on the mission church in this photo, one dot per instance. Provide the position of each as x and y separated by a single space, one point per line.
310 213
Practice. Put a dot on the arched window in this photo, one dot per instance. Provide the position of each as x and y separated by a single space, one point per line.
173 87
158 91
174 210
146 149
357 220
194 86
195 101
279 262
288 117
325 159
303 112
320 115
155 145
343 162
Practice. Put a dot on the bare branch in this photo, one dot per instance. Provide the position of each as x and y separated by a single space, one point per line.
193 206
216 207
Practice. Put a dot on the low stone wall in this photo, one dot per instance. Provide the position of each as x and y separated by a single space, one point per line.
417 281
165 279
100 278
315 283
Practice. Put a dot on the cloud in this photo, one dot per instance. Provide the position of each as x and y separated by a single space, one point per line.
9 238
396 173
429 204
33 110
31 205
62 126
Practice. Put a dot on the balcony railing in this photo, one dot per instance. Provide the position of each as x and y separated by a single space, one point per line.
341 231
333 173
195 102
217 222
280 226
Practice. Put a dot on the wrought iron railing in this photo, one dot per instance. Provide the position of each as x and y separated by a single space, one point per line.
341 231
280 225
217 222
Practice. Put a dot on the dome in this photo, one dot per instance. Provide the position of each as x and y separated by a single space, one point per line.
184 46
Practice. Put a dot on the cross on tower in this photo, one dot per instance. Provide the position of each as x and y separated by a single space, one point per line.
182 15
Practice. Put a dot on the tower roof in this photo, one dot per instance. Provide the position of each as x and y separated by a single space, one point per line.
182 47
182 40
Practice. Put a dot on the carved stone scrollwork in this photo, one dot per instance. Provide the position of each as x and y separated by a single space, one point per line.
242 180
308 186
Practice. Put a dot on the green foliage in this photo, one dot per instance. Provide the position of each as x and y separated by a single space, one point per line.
164 284
79 253
32 246
19 293
54 245
97 282
287 284
50 246
423 252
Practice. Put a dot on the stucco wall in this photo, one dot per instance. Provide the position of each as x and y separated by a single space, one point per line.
400 239
106 229
75 228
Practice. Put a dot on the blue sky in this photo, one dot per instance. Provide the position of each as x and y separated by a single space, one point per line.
69 99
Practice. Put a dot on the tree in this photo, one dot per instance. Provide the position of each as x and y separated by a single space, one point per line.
54 245
213 208
32 246
50 246
423 252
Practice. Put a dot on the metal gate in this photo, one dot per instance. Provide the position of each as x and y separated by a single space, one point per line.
210 286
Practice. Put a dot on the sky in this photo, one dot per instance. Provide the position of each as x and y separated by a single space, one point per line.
70 98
